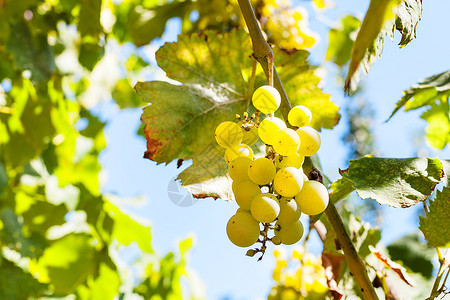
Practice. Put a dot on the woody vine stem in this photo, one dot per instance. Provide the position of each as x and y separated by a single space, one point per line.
262 52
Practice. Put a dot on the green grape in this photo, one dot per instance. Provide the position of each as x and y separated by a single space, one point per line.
299 116
250 133
266 99
276 240
289 211
288 181
313 198
261 171
289 233
310 141
287 142
238 169
241 150
268 129
242 229
265 207
295 161
228 134
245 191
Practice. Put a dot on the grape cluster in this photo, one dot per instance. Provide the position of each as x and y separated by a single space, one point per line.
271 191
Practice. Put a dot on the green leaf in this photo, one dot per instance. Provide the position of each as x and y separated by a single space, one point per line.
399 182
89 19
413 254
105 286
438 129
408 13
180 121
426 92
340 40
3 177
436 225
13 236
340 189
127 230
381 19
68 262
90 54
31 52
140 22
42 215
29 127
124 95
363 235
17 284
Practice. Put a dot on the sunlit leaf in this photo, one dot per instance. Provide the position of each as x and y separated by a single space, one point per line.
127 230
381 19
398 269
394 181
426 92
436 225
341 39
438 129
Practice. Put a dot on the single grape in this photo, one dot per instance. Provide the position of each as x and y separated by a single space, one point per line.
276 240
268 129
238 169
250 252
299 116
250 133
295 160
313 198
261 171
288 181
228 134
245 191
241 150
265 207
310 141
289 211
266 99
289 233
287 142
243 230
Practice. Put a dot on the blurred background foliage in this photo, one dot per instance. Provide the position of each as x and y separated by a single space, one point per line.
59 234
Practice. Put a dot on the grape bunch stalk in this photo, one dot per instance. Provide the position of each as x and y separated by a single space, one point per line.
272 191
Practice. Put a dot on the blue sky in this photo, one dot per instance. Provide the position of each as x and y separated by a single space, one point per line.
223 267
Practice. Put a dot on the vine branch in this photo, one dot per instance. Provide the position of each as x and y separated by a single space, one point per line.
263 53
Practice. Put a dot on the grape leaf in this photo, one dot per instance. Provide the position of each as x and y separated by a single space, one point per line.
89 19
180 121
127 230
340 189
31 52
17 284
413 254
381 19
426 92
436 225
399 182
67 262
438 129
397 268
340 40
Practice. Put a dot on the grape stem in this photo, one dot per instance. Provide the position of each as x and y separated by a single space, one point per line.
262 51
